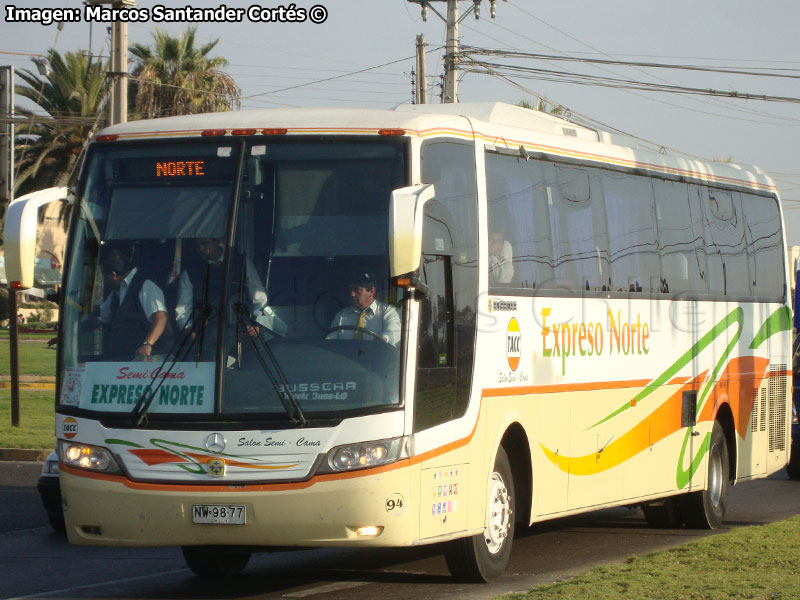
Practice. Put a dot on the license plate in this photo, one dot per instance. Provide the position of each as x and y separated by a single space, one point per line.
218 514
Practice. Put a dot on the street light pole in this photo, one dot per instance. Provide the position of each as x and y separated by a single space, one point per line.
6 196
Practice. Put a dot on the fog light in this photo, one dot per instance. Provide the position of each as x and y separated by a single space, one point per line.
369 531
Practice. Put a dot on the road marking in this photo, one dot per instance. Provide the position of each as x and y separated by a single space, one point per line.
101 584
323 589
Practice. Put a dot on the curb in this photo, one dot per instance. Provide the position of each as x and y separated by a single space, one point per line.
6 385
23 454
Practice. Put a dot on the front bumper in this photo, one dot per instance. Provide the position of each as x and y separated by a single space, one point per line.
325 511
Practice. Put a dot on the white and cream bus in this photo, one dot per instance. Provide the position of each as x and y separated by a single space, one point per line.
579 323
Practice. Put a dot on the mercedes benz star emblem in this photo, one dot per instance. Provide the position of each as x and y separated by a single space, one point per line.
215 442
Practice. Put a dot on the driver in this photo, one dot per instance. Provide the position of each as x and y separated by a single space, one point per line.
366 313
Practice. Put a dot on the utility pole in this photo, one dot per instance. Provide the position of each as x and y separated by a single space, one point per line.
422 81
119 71
450 92
119 62
6 196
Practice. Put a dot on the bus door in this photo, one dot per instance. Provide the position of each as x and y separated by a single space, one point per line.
443 509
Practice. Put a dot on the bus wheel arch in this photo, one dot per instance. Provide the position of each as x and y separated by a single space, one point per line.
483 557
705 509
724 417
517 447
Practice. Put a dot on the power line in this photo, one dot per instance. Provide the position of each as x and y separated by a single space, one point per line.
714 101
473 50
293 87
619 83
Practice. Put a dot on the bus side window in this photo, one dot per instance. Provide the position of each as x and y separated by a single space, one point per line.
436 314
436 373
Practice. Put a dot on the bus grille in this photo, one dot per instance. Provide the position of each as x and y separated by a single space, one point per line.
778 385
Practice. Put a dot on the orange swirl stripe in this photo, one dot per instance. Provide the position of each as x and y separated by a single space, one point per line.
735 386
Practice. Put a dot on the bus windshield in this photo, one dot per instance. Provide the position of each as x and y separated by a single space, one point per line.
257 268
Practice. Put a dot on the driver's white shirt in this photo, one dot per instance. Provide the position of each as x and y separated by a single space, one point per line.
150 296
382 319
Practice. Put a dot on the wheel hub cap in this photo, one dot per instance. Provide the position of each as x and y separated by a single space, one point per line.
499 515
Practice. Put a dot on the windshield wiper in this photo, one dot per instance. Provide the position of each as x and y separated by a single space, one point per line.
278 379
200 314
204 310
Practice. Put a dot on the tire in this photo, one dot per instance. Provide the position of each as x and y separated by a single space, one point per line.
664 515
705 509
57 523
213 562
793 468
483 557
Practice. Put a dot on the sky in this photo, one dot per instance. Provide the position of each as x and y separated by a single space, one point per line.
365 48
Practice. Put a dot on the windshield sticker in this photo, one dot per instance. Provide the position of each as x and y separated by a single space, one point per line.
72 387
117 387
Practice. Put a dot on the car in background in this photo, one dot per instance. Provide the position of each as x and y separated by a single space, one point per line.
50 492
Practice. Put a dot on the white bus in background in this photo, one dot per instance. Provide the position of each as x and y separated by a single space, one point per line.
583 324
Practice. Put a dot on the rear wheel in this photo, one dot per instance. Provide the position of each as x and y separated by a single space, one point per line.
214 561
705 509
483 557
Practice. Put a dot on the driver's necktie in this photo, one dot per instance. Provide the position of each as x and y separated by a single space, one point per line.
362 321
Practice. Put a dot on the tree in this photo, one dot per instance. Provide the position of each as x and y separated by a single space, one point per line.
175 77
541 105
73 97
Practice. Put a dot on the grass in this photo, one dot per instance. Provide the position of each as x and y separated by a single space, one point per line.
35 358
756 563
36 418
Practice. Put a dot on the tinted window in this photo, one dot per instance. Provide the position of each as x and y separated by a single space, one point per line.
726 253
519 224
450 166
680 238
632 243
764 245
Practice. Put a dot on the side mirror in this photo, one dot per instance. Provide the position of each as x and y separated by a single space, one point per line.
405 227
20 234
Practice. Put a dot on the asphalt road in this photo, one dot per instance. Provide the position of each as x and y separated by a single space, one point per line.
35 562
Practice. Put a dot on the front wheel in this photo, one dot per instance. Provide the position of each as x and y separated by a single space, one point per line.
705 509
793 468
212 562
483 557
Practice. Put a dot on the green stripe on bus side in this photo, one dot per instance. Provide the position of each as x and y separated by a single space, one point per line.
780 320
735 316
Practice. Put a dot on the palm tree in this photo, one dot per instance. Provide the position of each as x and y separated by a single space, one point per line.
175 77
73 97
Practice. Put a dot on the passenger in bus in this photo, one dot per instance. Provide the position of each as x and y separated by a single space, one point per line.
134 312
501 267
367 313
203 285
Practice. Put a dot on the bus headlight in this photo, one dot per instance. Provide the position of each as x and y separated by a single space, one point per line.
85 456
365 455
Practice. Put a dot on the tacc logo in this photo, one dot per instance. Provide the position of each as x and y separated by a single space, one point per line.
69 428
512 344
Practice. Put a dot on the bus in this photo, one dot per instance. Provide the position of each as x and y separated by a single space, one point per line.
578 323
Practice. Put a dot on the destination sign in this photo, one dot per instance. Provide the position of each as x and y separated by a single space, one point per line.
174 169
